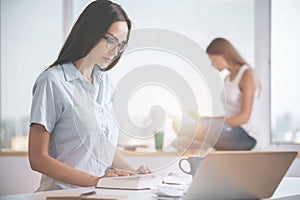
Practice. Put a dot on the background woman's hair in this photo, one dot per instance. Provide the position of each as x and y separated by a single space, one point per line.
89 28
221 46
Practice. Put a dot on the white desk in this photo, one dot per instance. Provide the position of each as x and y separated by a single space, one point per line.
288 187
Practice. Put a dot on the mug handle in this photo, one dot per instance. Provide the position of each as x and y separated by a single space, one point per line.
184 159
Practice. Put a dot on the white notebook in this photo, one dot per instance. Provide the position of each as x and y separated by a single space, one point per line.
136 182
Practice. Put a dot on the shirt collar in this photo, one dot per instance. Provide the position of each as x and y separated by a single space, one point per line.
97 73
71 72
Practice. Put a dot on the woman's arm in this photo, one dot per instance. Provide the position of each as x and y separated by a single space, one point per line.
247 87
41 161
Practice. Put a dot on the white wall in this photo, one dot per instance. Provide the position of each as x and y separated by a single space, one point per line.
16 176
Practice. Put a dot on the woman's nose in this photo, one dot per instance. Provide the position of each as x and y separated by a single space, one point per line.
114 51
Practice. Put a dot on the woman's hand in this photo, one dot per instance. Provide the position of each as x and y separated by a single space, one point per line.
143 170
113 172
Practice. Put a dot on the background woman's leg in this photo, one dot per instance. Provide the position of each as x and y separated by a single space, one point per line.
234 138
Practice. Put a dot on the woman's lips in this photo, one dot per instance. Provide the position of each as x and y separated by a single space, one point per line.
107 60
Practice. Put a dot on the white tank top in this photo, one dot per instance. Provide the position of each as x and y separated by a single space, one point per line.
233 101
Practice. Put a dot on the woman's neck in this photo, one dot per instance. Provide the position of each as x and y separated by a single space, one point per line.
85 67
234 70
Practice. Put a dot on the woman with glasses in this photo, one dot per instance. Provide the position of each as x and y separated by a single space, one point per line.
241 88
73 135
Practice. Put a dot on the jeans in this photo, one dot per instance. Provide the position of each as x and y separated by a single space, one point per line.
234 138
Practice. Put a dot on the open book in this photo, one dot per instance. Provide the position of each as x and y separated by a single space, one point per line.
136 182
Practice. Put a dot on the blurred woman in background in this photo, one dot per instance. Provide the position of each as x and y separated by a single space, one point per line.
240 91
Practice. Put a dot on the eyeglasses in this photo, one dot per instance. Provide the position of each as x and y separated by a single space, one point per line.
113 42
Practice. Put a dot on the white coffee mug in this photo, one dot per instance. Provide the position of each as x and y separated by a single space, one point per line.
193 161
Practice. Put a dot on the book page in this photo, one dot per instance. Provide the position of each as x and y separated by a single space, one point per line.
136 182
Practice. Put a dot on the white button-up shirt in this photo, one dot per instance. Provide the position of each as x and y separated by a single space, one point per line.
79 117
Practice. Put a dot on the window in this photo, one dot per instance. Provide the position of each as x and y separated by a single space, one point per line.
31 40
31 36
200 20
285 47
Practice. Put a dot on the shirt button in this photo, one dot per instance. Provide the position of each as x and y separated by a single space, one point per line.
105 130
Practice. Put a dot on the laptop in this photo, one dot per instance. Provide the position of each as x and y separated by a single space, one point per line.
239 175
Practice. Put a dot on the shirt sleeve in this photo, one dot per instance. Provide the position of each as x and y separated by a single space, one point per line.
45 108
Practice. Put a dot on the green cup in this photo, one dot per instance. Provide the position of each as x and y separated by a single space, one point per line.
159 140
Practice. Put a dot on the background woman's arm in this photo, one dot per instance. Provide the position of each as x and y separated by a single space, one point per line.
119 162
247 87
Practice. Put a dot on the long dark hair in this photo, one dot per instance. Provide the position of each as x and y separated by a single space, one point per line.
89 28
